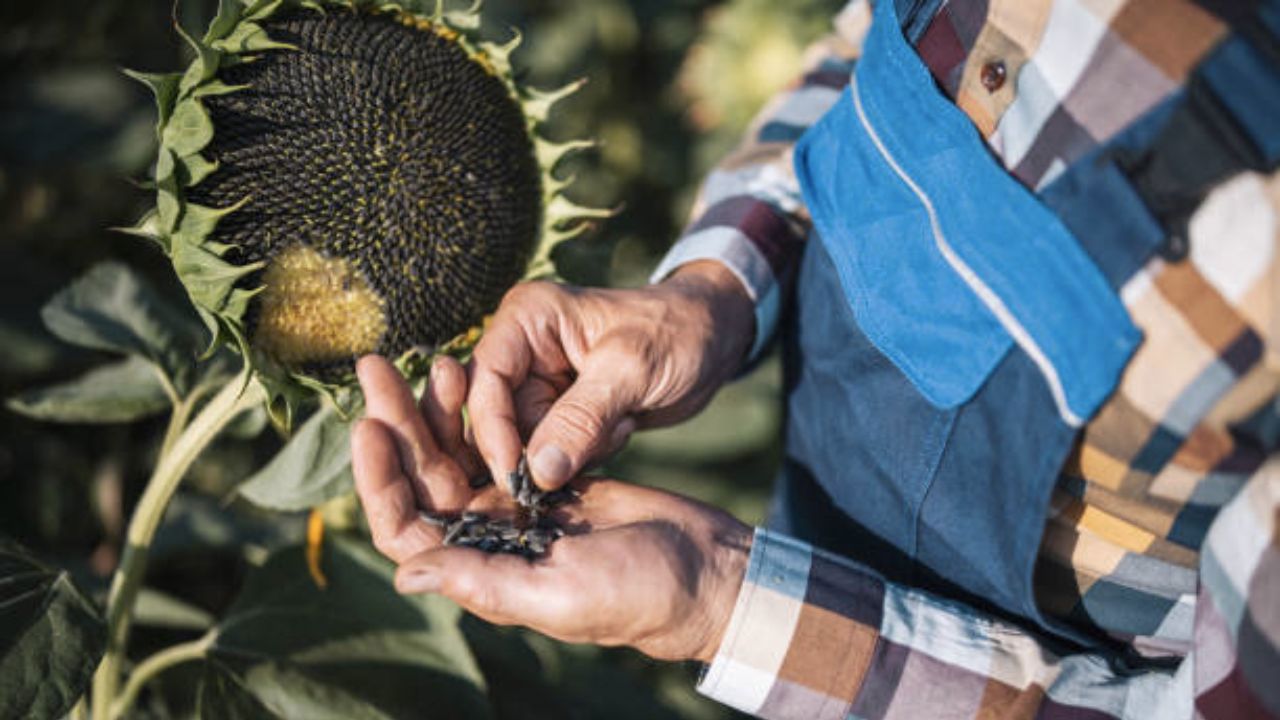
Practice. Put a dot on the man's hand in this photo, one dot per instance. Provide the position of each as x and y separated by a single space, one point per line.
638 567
574 371
410 456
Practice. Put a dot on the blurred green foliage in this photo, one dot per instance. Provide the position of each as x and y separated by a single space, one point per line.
672 84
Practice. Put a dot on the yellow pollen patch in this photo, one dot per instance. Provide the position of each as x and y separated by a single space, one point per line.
316 309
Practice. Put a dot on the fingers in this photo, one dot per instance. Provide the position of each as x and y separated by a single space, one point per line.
534 400
386 494
588 421
501 364
441 405
438 482
502 589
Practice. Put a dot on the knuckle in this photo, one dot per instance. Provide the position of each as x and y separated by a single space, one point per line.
581 419
383 545
532 293
480 597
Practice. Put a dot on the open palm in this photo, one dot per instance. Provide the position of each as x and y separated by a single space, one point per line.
637 567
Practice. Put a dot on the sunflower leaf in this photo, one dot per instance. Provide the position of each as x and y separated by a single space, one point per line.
196 168
539 103
51 637
208 278
165 165
112 308
217 87
157 609
250 37
354 649
202 69
550 154
164 86
168 204
199 221
313 467
499 55
229 13
262 9
120 392
465 19
189 130
147 227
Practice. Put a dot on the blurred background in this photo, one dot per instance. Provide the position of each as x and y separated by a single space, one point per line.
672 85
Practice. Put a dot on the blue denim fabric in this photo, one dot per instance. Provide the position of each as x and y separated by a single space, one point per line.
945 259
922 437
953 500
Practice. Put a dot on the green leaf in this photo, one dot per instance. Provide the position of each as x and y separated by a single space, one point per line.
200 525
148 227
313 467
168 206
165 165
223 696
51 638
355 649
250 37
195 168
26 351
203 68
262 9
208 278
112 308
157 609
165 89
228 15
198 222
117 393
217 87
189 130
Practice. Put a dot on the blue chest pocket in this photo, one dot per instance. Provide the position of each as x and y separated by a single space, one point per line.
946 261
903 294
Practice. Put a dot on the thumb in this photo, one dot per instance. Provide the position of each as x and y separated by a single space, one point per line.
502 589
591 419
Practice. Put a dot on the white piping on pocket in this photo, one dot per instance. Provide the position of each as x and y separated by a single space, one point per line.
975 283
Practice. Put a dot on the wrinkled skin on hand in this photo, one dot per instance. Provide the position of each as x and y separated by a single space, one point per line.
638 567
574 370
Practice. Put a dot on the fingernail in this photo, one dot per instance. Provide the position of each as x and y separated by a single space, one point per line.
423 580
550 465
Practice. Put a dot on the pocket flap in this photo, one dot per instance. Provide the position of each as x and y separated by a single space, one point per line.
947 262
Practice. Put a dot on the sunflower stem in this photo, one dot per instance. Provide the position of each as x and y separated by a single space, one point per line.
156 664
175 459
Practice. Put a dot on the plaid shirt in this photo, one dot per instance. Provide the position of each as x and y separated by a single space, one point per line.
1163 529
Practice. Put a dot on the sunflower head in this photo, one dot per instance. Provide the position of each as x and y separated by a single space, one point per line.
339 178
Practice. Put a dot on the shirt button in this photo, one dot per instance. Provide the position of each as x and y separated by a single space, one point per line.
993 75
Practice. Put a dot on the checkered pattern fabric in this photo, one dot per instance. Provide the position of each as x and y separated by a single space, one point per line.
1177 455
817 636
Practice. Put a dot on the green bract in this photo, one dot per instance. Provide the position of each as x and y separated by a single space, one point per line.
338 178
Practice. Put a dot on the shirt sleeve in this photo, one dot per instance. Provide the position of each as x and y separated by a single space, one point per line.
749 214
815 635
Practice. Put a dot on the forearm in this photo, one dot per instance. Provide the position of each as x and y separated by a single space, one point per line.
749 216
730 309
814 635
817 635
